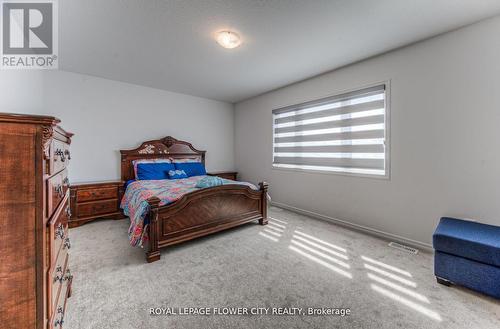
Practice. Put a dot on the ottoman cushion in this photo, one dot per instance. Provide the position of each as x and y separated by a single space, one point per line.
475 241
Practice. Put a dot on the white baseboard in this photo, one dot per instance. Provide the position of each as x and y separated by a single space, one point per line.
357 227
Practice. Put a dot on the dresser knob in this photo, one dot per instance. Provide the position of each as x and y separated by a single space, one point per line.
59 309
67 244
68 276
68 212
59 322
61 154
60 231
68 154
66 181
59 190
58 278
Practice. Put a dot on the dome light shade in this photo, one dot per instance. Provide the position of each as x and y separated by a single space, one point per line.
228 39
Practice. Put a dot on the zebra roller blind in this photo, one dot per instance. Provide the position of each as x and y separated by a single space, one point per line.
344 133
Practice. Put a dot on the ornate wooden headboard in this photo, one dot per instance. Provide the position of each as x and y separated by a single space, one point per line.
167 147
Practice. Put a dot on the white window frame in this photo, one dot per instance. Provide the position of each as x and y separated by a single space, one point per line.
387 130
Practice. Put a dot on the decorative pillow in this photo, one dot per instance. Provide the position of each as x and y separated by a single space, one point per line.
191 168
210 181
177 174
136 162
154 171
185 160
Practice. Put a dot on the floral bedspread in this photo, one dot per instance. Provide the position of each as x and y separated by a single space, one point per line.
136 207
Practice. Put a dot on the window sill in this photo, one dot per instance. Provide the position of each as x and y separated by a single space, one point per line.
334 173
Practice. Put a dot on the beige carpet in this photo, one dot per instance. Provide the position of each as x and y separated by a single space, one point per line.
295 261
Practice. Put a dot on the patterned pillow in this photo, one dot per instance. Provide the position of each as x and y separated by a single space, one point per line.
209 181
177 174
136 162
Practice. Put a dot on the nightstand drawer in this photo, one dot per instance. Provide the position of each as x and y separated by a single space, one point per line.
97 194
96 208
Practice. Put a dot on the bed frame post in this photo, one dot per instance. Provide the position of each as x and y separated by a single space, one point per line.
263 187
154 253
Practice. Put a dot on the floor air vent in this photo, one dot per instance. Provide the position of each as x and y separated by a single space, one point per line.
403 247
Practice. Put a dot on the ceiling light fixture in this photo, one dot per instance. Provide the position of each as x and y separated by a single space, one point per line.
228 39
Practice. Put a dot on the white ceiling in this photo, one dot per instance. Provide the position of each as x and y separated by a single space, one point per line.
168 44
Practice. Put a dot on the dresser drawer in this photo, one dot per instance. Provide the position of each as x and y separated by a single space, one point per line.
97 194
58 230
56 278
60 156
59 310
57 187
96 208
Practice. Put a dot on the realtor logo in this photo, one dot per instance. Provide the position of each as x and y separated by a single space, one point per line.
29 34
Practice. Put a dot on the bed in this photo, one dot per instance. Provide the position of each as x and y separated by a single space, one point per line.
164 213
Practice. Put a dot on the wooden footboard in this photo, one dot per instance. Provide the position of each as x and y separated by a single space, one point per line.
204 212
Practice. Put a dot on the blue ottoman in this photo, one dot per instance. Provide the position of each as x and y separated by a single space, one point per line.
468 254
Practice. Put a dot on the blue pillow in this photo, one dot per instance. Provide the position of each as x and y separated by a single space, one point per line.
177 174
127 183
191 168
209 181
146 171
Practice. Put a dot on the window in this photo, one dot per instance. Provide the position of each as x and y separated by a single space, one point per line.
345 134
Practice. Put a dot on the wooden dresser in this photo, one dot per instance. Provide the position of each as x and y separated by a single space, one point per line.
35 276
91 201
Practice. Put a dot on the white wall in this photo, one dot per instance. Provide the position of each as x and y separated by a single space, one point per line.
445 136
21 91
107 116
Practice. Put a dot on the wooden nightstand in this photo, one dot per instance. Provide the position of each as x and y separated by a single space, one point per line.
232 175
91 201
